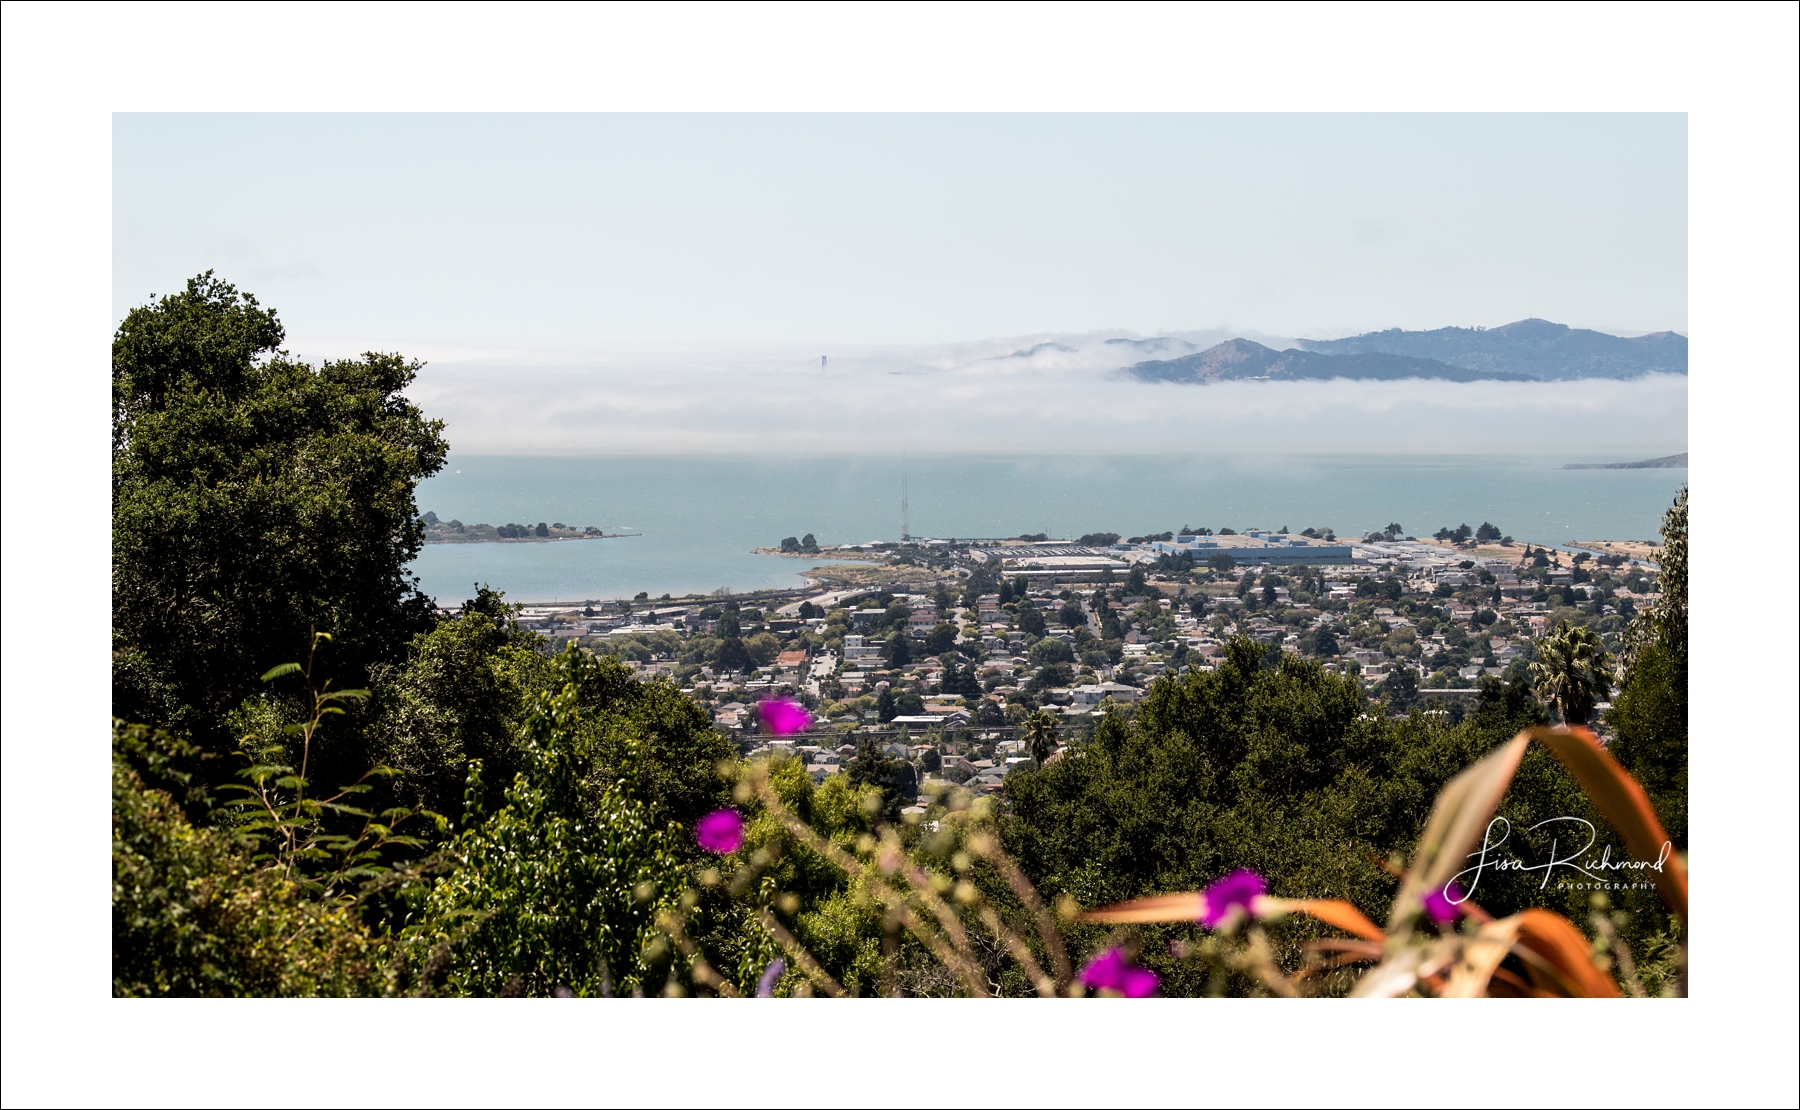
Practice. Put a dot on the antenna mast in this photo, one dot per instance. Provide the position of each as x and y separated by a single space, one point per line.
905 525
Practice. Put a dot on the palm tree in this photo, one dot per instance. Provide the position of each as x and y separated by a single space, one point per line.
1573 670
1042 727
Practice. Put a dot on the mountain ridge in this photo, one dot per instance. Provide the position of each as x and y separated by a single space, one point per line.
1666 462
1537 348
1245 360
1522 351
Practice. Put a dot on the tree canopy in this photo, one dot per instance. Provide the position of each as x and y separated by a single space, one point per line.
1650 714
256 499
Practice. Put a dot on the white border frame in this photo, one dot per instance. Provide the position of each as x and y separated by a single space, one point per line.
68 68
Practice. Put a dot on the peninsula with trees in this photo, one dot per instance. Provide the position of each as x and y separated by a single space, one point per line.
455 531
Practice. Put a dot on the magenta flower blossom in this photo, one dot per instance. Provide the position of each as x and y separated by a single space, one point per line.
783 717
1111 971
1236 890
1443 906
720 831
765 986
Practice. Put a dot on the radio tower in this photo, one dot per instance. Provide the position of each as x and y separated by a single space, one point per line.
905 526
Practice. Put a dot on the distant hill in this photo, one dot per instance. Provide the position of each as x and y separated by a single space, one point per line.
1240 359
1667 462
1533 348
1159 345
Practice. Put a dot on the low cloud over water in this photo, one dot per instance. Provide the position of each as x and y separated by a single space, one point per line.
1041 394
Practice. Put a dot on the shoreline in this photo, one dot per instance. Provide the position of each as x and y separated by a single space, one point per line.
459 540
852 556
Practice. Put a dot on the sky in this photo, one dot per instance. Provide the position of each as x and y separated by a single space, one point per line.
664 282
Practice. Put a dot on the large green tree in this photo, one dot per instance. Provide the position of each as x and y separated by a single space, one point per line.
1650 715
560 887
462 694
1278 768
256 498
1573 670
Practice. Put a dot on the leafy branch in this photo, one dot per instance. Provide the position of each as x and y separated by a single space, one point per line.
299 832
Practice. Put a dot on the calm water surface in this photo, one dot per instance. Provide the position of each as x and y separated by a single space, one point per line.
700 516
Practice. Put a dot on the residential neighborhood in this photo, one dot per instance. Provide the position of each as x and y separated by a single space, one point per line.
974 644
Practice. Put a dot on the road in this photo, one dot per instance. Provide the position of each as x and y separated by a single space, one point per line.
824 601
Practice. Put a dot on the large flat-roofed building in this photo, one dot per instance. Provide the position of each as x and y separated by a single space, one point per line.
1068 568
1263 547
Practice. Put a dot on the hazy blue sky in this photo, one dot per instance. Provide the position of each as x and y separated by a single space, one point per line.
502 231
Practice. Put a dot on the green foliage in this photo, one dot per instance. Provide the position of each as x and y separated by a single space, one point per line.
461 694
1276 769
1031 621
762 648
1650 715
330 842
1320 641
1140 806
649 734
1666 620
1572 670
194 916
941 639
960 679
732 655
834 917
844 932
892 776
1041 729
1650 720
645 646
561 886
1400 688
255 499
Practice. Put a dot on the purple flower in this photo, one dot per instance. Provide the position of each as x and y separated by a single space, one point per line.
720 831
1111 971
783 717
765 986
1236 890
1442 906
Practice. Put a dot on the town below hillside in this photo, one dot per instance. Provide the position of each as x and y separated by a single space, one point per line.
948 652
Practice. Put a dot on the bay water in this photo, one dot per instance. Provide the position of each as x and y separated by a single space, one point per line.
698 516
